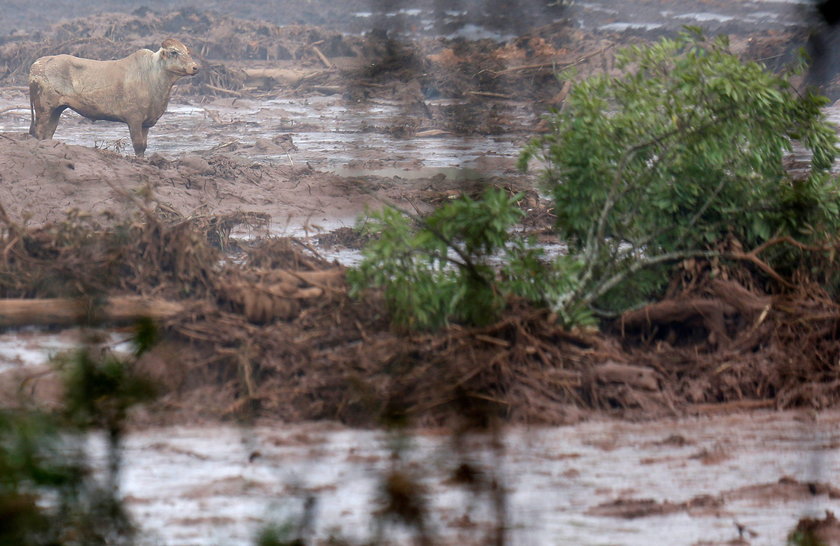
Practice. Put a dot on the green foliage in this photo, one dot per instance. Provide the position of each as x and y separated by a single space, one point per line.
804 538
680 152
30 466
278 535
99 389
442 268
48 496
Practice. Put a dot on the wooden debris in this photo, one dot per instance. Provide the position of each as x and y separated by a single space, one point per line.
71 311
324 58
222 90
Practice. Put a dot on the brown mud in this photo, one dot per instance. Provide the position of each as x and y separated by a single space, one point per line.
268 328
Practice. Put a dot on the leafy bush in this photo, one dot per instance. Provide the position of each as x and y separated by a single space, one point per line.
678 157
48 494
680 152
444 267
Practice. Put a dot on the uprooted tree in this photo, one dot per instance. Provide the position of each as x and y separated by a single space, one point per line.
680 156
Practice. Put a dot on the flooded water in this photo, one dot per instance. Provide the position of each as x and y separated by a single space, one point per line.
36 346
714 16
328 133
681 481
220 485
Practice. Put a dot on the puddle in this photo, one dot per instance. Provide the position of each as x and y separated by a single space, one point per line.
621 27
715 16
34 346
705 17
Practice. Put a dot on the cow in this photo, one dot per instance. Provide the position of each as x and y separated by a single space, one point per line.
134 90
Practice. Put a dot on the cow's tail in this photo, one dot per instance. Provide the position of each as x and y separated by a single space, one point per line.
35 90
31 112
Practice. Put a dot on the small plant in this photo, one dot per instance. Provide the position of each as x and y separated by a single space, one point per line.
460 263
47 493
804 538
35 463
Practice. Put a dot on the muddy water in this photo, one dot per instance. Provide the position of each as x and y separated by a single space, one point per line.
219 485
329 134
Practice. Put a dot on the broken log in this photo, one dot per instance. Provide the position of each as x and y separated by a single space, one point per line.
489 95
635 376
223 90
72 311
14 108
324 58
709 313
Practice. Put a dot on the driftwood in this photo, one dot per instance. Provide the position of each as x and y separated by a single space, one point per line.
747 303
324 58
731 406
489 95
66 311
706 312
262 302
730 299
14 109
636 376
223 90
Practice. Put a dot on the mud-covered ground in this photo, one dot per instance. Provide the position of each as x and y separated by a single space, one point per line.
468 18
315 163
305 116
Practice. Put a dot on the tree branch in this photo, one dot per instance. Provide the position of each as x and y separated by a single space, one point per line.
751 257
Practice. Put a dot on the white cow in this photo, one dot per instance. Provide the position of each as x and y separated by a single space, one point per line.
134 90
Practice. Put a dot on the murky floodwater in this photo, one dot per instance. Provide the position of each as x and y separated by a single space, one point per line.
219 485
459 18
328 133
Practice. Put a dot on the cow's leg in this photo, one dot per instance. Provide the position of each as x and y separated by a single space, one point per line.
44 123
44 120
46 130
36 110
138 138
45 110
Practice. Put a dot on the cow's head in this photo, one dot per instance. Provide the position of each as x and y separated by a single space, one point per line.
176 58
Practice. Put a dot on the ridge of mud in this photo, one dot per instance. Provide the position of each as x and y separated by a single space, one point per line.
786 489
41 180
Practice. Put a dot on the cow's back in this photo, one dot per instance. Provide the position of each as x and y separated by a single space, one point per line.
73 76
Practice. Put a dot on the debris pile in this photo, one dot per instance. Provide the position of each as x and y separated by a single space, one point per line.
274 333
